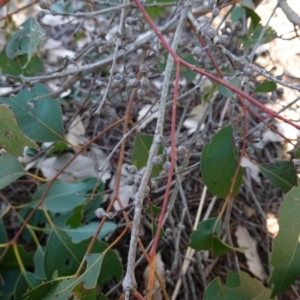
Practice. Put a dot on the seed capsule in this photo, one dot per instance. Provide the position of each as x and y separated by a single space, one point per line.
211 32
153 185
129 180
144 68
141 93
137 181
224 39
133 83
132 169
166 166
182 151
144 83
215 12
157 160
100 213
197 51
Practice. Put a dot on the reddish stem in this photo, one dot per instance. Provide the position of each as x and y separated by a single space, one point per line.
177 59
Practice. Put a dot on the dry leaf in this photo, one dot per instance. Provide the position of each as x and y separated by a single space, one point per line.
195 116
160 269
253 260
76 133
249 211
125 191
81 167
254 169
146 110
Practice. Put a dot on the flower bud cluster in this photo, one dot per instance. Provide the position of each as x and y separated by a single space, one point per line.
135 179
100 213
143 84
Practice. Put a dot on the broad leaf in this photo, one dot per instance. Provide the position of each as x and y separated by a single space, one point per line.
281 173
238 287
139 157
266 87
63 256
65 196
13 139
63 289
206 237
9 261
86 231
39 256
10 170
187 73
219 164
286 247
26 281
156 11
227 92
40 120
255 18
25 40
297 153
248 3
237 13
16 66
9 279
80 292
251 38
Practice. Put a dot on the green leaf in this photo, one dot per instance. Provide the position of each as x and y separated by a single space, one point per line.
208 93
63 256
74 220
10 170
16 66
39 256
255 18
57 148
297 153
248 3
187 73
25 40
251 38
13 139
237 14
227 92
266 87
3 235
286 247
86 231
26 281
9 279
248 289
219 164
40 120
65 196
9 261
281 173
141 147
206 237
41 291
154 229
157 11
153 211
